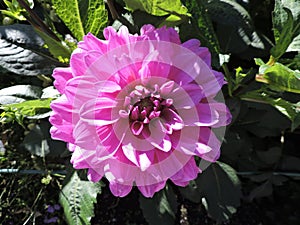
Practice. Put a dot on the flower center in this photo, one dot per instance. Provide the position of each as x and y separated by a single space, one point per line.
145 104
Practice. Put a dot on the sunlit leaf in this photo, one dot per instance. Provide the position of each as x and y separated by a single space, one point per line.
81 16
78 198
280 18
203 28
280 77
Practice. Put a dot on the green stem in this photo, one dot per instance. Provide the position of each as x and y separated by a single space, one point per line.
228 78
271 61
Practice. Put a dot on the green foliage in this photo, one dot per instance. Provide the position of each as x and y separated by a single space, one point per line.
161 209
288 109
286 26
280 78
81 16
174 10
14 10
78 198
221 191
265 107
284 37
39 108
56 48
203 28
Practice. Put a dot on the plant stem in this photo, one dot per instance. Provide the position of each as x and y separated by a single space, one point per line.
228 78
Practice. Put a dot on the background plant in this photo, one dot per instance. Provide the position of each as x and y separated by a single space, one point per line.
254 43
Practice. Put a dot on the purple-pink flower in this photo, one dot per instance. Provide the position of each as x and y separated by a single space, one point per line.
139 109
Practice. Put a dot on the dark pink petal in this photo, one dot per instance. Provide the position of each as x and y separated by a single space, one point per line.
208 138
203 53
188 172
172 120
149 190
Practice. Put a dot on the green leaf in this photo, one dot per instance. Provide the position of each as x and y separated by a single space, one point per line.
157 7
174 11
203 28
221 189
288 109
191 192
57 49
82 16
32 109
23 91
280 77
271 156
77 198
160 209
262 190
286 26
39 142
285 38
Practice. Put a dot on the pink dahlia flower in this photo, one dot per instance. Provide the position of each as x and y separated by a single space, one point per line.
138 109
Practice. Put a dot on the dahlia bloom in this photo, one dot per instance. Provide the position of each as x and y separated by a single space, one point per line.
138 109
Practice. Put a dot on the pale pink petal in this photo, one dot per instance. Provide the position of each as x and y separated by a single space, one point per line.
62 107
61 76
203 114
137 109
99 113
90 42
95 174
62 129
119 190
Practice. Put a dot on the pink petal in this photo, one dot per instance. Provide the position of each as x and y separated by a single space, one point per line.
90 42
82 158
62 107
224 114
99 113
76 62
186 96
159 139
119 190
149 190
91 58
86 136
207 137
172 120
203 53
61 76
95 174
204 114
62 129
187 173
